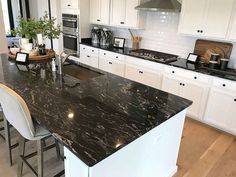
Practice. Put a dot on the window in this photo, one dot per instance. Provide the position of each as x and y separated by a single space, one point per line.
6 17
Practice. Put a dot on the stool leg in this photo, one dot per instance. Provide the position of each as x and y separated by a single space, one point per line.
21 154
40 157
58 149
8 140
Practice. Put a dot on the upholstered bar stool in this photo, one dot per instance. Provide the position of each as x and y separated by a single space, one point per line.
17 114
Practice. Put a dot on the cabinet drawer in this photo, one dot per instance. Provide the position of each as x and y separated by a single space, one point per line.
113 55
224 84
87 49
194 76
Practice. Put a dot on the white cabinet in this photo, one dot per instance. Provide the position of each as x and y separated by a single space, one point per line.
232 33
100 11
89 56
124 14
70 4
112 62
143 75
221 106
192 90
208 18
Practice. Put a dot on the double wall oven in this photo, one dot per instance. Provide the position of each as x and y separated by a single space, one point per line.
70 29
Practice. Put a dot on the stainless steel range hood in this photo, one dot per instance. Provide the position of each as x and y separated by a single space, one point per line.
160 5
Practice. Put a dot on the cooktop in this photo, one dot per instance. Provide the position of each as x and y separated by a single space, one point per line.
153 55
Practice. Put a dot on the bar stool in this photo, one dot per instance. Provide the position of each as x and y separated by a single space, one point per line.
18 115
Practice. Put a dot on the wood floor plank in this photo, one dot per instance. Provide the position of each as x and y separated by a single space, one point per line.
195 142
210 157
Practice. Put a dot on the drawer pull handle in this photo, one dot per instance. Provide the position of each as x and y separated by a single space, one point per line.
122 23
98 20
180 84
141 72
68 5
183 84
88 56
173 72
117 57
234 100
92 50
84 48
110 63
224 85
104 54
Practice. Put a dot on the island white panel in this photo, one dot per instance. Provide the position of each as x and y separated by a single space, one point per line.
153 154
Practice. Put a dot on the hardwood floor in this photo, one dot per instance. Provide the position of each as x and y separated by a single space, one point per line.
204 152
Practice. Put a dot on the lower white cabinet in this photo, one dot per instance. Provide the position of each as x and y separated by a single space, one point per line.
221 110
194 91
89 59
112 63
143 75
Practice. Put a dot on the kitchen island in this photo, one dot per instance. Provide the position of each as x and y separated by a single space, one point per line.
109 126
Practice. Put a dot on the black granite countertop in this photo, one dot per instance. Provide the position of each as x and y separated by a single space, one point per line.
229 74
94 118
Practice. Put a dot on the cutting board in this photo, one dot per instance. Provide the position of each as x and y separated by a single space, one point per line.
204 48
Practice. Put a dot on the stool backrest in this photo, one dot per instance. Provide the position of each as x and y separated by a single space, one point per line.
16 112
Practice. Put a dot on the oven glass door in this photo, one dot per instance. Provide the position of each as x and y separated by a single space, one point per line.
70 23
70 42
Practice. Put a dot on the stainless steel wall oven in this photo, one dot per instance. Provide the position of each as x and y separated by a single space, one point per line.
70 29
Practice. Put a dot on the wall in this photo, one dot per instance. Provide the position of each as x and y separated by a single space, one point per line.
3 43
161 34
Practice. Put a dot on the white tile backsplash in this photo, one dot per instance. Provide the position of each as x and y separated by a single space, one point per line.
161 34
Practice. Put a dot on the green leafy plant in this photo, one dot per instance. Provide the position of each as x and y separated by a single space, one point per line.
31 27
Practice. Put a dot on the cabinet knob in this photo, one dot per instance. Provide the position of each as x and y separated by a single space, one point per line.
117 57
98 20
122 23
110 63
234 100
104 54
141 72
183 84
180 84
88 56
83 48
198 31
201 31
195 77
68 5
64 158
92 50
173 72
224 85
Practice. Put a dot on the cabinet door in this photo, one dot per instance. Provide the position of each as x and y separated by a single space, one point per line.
99 11
171 85
131 13
95 11
192 15
65 4
93 61
218 14
118 10
117 67
198 94
149 78
233 28
132 73
232 123
84 58
104 64
220 109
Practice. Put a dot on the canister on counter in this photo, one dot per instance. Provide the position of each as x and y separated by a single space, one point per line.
224 64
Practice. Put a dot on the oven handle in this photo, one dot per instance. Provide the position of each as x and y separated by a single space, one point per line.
75 37
69 20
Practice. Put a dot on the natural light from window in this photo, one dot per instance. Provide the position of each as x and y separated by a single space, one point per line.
6 16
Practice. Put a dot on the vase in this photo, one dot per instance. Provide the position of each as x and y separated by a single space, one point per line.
40 39
23 42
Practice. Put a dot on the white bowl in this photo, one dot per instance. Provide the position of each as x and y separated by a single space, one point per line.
14 50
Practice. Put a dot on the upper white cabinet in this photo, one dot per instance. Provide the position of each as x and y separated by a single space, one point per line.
124 14
100 11
70 4
232 33
209 18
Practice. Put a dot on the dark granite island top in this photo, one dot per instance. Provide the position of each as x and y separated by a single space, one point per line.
92 118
